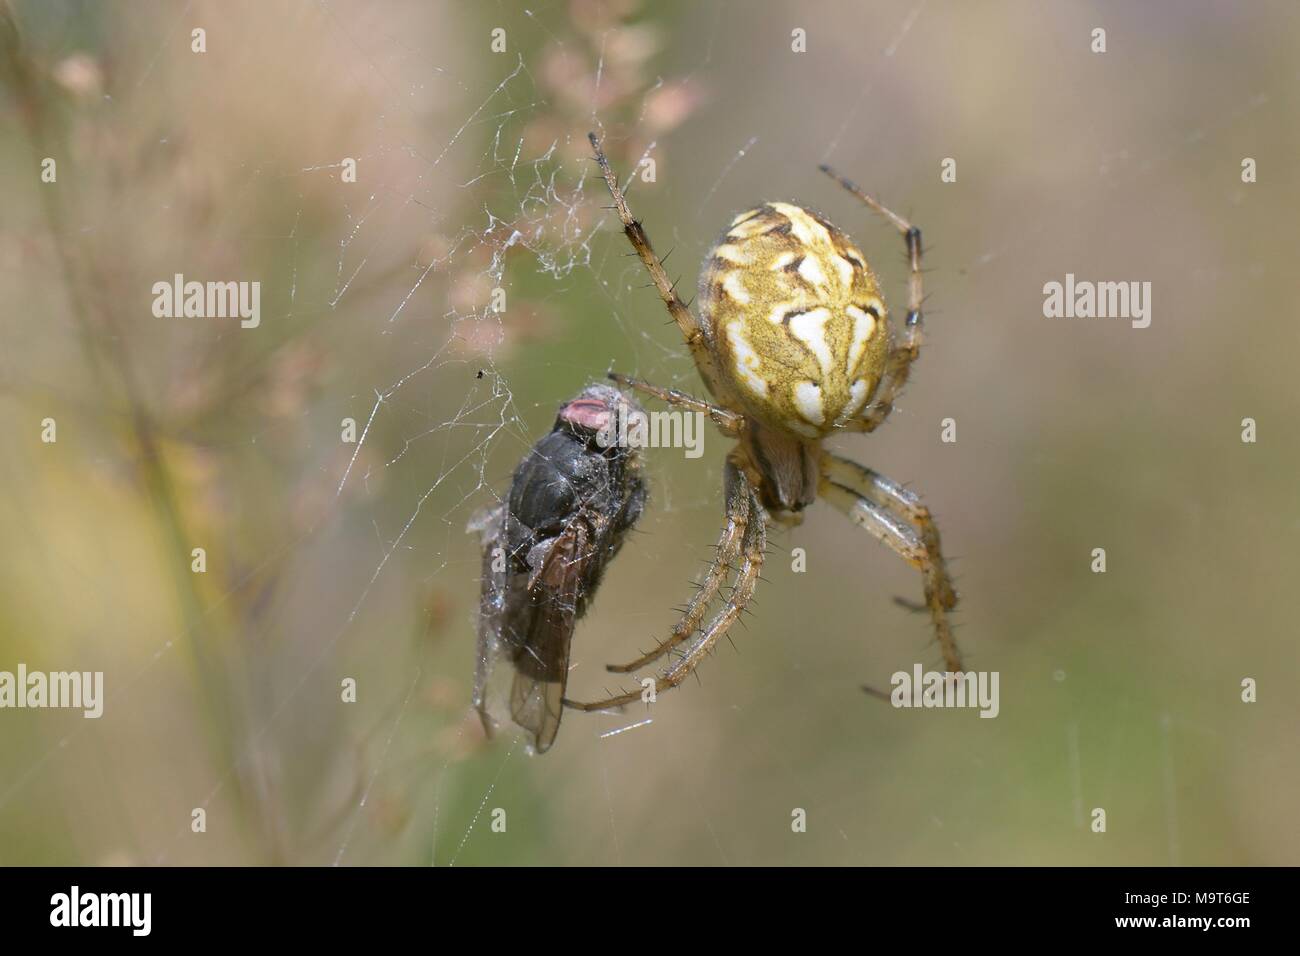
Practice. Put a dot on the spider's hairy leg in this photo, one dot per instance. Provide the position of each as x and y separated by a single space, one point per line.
727 420
696 339
753 549
907 542
728 549
888 493
904 352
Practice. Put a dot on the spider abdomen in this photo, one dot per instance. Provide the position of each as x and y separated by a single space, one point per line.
795 317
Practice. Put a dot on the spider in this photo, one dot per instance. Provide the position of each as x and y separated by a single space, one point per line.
794 344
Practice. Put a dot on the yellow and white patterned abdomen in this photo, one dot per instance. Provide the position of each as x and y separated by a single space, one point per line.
796 319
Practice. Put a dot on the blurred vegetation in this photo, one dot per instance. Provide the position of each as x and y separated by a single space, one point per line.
329 560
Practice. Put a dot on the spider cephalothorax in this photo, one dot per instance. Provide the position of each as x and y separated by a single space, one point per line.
794 344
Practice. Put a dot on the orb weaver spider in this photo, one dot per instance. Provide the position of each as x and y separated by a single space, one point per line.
794 345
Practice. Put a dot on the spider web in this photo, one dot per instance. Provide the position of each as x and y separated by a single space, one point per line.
474 180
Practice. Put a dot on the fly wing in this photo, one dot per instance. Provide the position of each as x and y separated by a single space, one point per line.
493 646
541 658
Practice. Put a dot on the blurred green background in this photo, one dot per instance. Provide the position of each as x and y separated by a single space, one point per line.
329 560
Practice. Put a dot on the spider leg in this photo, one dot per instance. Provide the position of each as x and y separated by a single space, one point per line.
908 543
898 366
727 420
753 547
728 549
695 336
890 494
